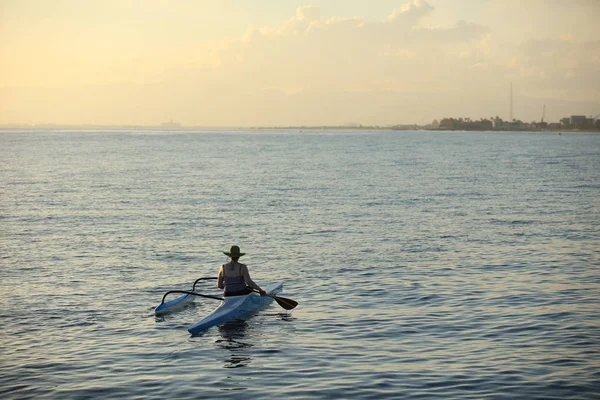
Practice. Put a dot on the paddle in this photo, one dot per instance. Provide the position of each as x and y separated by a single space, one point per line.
188 292
285 303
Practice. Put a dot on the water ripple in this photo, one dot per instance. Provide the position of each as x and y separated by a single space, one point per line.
427 265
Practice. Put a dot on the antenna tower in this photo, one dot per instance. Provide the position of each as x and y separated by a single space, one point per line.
543 113
511 102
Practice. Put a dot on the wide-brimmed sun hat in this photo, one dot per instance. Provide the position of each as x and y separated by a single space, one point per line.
234 252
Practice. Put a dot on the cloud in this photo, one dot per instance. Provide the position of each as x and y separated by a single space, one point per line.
410 11
311 52
564 64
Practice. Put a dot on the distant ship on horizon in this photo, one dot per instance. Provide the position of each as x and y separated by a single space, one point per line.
170 124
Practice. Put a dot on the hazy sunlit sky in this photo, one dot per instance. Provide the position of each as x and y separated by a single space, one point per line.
288 62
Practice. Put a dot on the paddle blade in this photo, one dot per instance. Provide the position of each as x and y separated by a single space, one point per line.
287 304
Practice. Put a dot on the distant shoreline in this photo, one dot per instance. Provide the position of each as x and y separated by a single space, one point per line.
298 128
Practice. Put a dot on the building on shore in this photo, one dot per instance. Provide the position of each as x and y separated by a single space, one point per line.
580 122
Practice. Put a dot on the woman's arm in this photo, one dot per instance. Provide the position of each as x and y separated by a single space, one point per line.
249 280
220 279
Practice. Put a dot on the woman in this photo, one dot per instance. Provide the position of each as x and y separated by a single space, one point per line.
234 277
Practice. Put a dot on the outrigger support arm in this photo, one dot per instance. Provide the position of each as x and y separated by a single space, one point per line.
189 292
202 279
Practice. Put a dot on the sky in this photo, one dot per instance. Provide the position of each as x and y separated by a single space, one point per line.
243 63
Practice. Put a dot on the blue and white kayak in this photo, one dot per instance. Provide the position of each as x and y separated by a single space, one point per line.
235 307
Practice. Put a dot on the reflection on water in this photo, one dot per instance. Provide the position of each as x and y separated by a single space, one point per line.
232 335
283 316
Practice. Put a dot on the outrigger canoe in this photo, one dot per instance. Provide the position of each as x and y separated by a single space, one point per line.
235 307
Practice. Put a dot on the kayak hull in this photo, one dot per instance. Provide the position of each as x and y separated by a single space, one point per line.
235 307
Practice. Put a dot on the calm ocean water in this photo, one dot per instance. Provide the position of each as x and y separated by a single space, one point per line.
426 264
